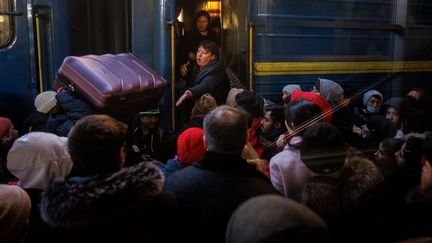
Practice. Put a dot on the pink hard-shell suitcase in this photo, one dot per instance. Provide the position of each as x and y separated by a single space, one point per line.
112 83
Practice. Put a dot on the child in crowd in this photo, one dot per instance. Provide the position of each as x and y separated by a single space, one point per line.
190 148
46 104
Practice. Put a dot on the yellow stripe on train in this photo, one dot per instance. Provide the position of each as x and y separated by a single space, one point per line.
287 68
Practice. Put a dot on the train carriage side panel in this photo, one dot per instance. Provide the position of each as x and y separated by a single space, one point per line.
29 60
351 42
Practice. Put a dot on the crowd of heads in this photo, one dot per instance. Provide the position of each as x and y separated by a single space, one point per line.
317 131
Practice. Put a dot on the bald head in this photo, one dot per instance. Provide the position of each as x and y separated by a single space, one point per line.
225 130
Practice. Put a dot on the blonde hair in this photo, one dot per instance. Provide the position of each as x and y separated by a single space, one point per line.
204 104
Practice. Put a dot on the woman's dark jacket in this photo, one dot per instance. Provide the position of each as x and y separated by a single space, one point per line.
211 79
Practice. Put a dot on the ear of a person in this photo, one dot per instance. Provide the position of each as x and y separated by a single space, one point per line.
122 156
205 142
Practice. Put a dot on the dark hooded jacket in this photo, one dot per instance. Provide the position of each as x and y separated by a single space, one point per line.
210 190
126 206
73 109
211 79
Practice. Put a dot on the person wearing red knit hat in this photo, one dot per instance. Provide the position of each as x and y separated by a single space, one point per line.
190 148
190 145
316 99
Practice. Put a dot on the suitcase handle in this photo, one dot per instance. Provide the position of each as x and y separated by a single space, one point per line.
65 82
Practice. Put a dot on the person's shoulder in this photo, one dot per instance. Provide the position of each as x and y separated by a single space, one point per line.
211 35
182 174
192 33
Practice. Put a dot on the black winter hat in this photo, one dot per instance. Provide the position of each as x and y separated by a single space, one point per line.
323 148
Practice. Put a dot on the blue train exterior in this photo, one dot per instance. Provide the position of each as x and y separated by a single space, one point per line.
351 42
37 42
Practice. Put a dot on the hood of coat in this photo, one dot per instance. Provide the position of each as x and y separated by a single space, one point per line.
92 200
330 90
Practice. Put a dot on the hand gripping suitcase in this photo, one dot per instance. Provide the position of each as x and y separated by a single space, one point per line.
112 83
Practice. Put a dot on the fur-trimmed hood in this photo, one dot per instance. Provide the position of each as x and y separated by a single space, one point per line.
93 200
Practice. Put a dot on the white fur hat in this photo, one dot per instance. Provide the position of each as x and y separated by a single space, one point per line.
37 158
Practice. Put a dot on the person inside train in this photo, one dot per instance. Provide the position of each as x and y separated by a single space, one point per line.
208 75
46 104
178 37
188 47
211 189
215 26
287 172
105 201
178 25
8 135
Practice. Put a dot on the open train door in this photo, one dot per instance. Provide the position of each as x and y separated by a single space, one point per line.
31 50
235 41
152 38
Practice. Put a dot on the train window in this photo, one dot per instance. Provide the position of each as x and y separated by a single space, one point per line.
5 24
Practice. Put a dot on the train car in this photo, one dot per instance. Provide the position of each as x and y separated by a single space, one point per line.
33 43
358 43
268 44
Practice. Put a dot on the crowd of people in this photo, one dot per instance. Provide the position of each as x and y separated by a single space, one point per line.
315 166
